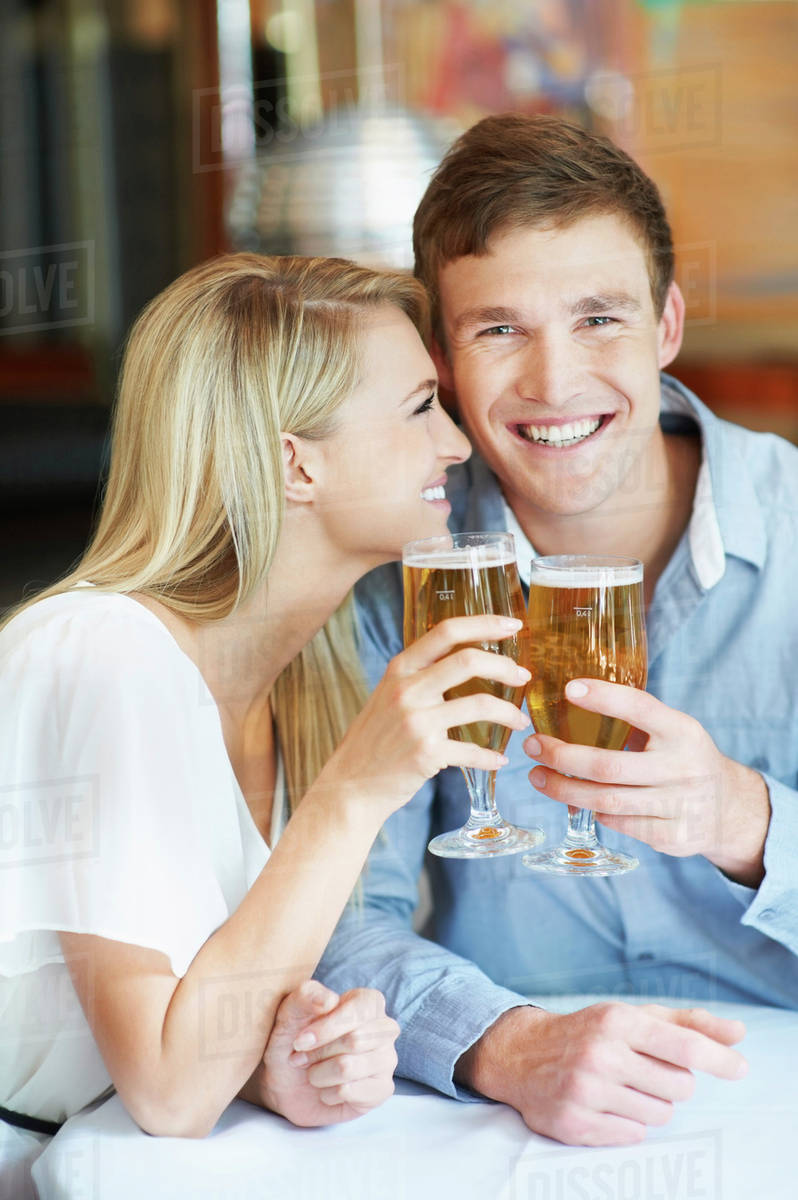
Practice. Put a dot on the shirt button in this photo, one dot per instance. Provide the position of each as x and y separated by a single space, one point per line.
768 914
645 957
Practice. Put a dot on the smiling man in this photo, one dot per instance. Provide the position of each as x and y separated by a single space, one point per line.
549 260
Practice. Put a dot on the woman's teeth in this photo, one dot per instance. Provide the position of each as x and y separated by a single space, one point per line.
434 493
559 435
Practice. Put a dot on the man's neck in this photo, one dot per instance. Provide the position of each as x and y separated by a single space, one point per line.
646 522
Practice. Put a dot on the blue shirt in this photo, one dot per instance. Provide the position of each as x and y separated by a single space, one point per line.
723 647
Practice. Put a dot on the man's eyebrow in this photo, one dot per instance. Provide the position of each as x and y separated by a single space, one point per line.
426 385
605 302
485 316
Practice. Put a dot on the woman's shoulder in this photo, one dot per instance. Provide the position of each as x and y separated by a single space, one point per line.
85 633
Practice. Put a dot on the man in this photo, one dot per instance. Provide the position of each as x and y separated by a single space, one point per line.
549 260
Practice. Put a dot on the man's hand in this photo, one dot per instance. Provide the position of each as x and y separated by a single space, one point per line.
602 1075
679 794
329 1059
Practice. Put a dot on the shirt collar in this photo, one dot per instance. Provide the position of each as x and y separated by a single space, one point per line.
727 517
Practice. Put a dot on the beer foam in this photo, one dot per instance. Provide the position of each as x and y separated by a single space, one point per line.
464 559
558 577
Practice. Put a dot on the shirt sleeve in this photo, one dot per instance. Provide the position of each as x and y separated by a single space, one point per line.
442 1002
110 763
773 907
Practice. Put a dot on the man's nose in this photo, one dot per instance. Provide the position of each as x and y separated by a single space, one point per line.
547 371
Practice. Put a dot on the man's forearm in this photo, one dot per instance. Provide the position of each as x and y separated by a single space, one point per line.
487 1066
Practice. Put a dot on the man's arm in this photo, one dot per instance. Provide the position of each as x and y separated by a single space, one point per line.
678 793
601 1075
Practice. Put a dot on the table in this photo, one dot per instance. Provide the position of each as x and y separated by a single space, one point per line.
731 1141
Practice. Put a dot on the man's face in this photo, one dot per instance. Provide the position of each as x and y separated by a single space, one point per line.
554 351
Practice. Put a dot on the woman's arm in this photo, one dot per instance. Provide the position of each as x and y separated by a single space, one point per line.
179 1050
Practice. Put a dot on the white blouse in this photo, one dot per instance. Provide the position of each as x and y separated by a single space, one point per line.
120 815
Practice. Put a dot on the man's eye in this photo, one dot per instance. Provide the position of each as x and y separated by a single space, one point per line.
425 405
499 330
597 322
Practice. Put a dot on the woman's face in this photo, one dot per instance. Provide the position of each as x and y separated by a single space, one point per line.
385 466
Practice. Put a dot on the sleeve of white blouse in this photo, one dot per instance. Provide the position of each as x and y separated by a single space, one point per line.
110 766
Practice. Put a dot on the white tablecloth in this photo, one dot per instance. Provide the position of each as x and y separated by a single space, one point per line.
731 1141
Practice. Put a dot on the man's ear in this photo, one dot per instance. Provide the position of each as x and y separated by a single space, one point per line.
671 326
442 364
299 469
445 377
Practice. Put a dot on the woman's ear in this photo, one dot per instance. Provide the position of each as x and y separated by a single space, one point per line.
298 468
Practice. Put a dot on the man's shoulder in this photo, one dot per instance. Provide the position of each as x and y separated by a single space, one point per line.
736 453
770 461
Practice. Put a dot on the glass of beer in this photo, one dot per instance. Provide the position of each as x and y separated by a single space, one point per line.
586 619
459 575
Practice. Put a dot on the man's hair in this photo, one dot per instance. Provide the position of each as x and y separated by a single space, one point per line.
511 171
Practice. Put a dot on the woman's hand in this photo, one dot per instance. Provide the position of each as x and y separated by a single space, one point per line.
401 737
329 1059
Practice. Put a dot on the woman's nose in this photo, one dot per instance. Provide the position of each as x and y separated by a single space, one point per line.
452 443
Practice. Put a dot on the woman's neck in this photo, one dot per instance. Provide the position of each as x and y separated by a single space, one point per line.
241 656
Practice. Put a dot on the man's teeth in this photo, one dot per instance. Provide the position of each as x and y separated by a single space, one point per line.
434 493
559 435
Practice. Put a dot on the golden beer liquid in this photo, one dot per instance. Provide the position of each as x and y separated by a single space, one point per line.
434 593
590 632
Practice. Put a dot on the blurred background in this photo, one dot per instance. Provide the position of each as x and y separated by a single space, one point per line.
138 137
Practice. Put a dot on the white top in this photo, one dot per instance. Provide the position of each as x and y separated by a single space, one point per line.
120 815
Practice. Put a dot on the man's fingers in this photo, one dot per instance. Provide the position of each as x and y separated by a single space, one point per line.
679 1042
723 1029
602 766
637 707
657 1078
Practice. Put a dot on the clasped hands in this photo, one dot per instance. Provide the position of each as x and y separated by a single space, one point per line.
675 791
329 1058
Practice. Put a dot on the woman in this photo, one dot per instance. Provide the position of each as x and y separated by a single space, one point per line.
277 435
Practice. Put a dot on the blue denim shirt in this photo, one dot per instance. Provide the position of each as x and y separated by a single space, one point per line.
723 645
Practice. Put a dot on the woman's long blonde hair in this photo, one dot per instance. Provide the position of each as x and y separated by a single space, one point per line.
230 355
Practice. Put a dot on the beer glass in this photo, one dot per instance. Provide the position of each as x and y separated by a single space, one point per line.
458 575
586 618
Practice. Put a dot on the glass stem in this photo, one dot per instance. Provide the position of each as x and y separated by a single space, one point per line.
582 827
481 793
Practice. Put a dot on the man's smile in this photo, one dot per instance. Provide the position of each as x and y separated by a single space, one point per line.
562 434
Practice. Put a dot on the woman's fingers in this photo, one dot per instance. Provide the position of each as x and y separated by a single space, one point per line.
373 1035
350 1068
456 631
471 662
468 710
363 1094
355 1009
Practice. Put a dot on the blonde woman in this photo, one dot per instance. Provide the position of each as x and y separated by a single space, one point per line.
277 434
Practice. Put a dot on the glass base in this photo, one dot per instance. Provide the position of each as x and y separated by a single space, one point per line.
485 841
581 858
